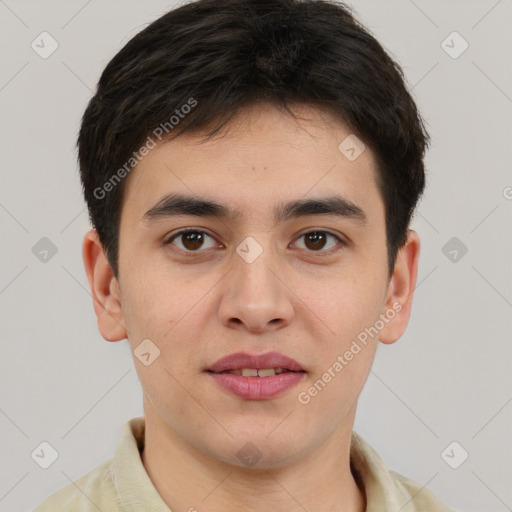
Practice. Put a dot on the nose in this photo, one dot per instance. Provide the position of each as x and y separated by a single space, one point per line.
256 297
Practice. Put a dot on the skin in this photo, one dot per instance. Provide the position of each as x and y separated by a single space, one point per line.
307 303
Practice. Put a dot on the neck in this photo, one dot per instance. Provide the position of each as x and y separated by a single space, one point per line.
188 479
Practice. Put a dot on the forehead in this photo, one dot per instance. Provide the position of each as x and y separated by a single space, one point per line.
262 153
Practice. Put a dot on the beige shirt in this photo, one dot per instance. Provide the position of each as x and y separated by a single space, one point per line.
122 484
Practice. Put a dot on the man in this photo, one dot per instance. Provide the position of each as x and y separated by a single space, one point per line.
250 169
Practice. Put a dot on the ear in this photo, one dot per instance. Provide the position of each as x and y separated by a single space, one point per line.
104 289
397 308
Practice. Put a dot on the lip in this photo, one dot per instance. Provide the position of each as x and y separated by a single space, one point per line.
257 388
240 360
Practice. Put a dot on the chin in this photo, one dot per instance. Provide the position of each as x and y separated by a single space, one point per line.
257 449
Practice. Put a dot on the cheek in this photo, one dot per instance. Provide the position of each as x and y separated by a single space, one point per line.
346 358
334 392
345 303
158 324
171 313
153 302
348 308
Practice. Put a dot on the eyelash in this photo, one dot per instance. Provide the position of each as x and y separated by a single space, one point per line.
169 241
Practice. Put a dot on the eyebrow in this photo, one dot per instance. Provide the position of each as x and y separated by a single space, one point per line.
177 204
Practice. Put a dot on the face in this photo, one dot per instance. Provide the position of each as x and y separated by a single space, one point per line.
307 284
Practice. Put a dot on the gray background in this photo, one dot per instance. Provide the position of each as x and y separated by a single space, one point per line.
449 377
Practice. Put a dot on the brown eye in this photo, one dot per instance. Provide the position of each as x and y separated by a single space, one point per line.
191 240
317 240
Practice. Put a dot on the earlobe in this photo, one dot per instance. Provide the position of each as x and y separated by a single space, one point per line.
104 289
400 294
